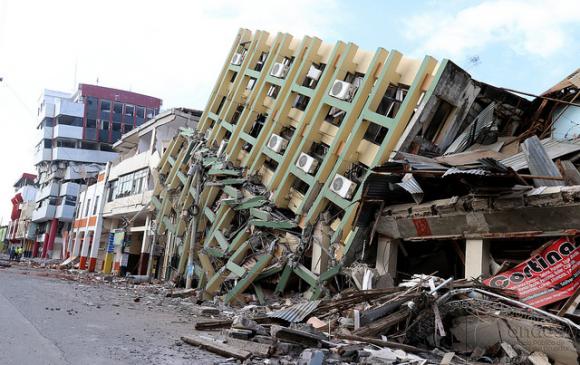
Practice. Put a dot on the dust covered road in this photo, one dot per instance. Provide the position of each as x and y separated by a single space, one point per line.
47 320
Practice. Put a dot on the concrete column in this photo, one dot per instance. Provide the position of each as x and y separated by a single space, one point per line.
94 253
145 248
108 266
35 248
476 258
49 239
85 250
77 244
387 250
320 247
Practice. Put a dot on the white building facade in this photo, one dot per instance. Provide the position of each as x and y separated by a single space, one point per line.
75 133
116 208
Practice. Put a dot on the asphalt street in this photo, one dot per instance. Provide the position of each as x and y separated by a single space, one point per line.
47 320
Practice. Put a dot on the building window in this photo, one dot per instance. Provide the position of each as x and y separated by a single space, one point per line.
139 180
89 146
221 104
92 104
68 120
70 200
392 100
237 114
91 123
140 112
87 207
127 185
105 106
104 125
118 108
301 102
150 113
335 116
129 110
127 128
95 207
258 125
66 143
106 147
261 61
112 190
375 133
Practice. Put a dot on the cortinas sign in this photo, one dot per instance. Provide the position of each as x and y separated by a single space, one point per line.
548 277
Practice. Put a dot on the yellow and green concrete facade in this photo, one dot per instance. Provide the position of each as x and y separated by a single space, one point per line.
343 107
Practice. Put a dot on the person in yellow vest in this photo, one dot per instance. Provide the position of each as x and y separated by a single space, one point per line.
18 253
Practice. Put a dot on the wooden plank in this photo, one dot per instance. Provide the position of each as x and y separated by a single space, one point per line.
384 323
571 304
217 347
570 172
257 349
382 343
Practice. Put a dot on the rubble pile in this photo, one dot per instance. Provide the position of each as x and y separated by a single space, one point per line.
425 320
263 239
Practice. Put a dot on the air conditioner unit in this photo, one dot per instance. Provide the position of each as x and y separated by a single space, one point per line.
237 59
314 73
277 143
307 163
342 90
343 186
279 70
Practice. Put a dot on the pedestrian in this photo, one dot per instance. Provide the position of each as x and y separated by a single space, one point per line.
18 253
11 251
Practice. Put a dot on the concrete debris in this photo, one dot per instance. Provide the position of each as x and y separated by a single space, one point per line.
185 293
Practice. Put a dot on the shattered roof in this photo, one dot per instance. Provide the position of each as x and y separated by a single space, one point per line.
553 148
571 80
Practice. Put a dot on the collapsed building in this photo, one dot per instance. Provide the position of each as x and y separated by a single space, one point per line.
352 183
315 167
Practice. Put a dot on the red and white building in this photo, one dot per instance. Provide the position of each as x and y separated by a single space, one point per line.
21 230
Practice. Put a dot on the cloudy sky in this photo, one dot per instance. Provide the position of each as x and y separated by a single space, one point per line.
174 49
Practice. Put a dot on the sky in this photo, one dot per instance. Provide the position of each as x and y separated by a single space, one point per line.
174 50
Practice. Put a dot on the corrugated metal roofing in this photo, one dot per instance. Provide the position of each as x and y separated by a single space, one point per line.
297 312
554 149
412 187
456 171
483 121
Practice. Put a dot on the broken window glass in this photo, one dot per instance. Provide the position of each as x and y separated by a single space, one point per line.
392 100
335 116
301 102
375 133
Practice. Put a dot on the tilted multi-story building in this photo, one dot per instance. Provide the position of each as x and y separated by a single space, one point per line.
21 230
77 132
112 225
310 121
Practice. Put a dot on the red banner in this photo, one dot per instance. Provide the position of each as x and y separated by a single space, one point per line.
548 277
